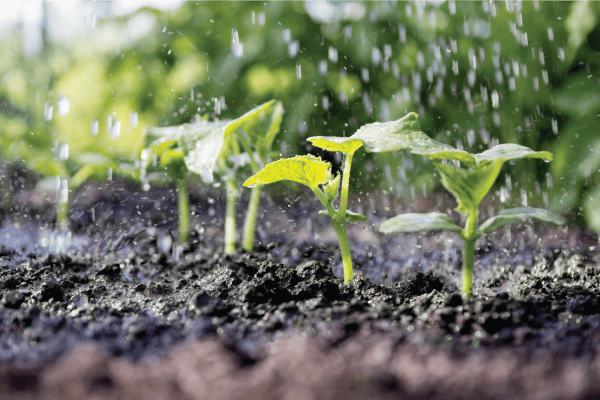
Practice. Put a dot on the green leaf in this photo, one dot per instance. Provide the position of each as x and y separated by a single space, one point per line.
261 125
354 217
469 186
413 222
510 151
331 188
334 143
308 170
351 216
516 215
173 162
46 165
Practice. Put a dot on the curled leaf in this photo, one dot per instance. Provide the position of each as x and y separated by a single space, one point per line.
516 215
413 222
334 143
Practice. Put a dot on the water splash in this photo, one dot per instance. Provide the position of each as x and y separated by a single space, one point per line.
48 110
62 106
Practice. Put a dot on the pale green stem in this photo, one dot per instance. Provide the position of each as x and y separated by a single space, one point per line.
345 185
470 236
339 224
184 211
230 215
62 215
250 221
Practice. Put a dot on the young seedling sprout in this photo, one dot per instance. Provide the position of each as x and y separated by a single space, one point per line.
204 147
316 174
468 185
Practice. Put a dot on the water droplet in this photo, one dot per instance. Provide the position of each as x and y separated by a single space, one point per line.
387 51
429 75
115 130
467 94
416 81
550 34
452 7
496 118
376 56
395 70
504 195
471 78
472 58
536 83
293 48
545 76
420 59
402 33
561 54
385 110
499 77
333 54
287 35
262 19
44 241
133 119
470 137
364 73
253 17
325 103
439 87
347 33
484 94
298 71
63 152
94 127
48 109
408 11
512 84
554 126
64 191
455 67
62 106
323 67
367 103
164 243
541 57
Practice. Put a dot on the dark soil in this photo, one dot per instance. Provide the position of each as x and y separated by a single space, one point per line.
112 310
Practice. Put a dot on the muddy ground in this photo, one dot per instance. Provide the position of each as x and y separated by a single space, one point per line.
114 310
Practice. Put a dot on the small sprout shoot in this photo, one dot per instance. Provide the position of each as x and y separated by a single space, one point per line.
316 174
204 147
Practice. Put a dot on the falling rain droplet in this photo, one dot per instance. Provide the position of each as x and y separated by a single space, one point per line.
561 54
554 126
545 76
455 67
536 83
262 19
471 77
365 74
64 191
164 243
48 109
512 85
420 60
550 34
133 119
323 67
523 197
452 7
115 129
287 35
387 51
333 54
439 87
298 71
472 58
496 118
62 106
325 103
376 56
495 99
293 48
499 77
470 137
402 33
63 152
94 127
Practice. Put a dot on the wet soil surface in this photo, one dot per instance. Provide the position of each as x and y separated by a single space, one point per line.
114 309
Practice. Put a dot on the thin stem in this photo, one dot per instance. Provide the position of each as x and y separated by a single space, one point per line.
470 236
184 211
345 184
229 239
339 224
250 221
62 215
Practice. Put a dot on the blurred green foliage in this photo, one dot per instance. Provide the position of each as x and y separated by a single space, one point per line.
477 73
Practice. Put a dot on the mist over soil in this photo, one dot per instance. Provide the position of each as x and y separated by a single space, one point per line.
114 309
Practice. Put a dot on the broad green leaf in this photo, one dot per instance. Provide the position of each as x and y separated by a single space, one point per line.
335 143
331 188
261 125
159 146
510 151
308 170
351 216
469 186
413 222
516 215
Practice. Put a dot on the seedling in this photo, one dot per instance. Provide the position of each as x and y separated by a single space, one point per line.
316 174
468 185
204 147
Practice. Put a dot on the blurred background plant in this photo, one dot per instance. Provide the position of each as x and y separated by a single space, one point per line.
86 78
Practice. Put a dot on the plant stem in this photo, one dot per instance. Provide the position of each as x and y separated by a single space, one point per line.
345 185
250 221
229 239
470 236
184 211
339 224
340 229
